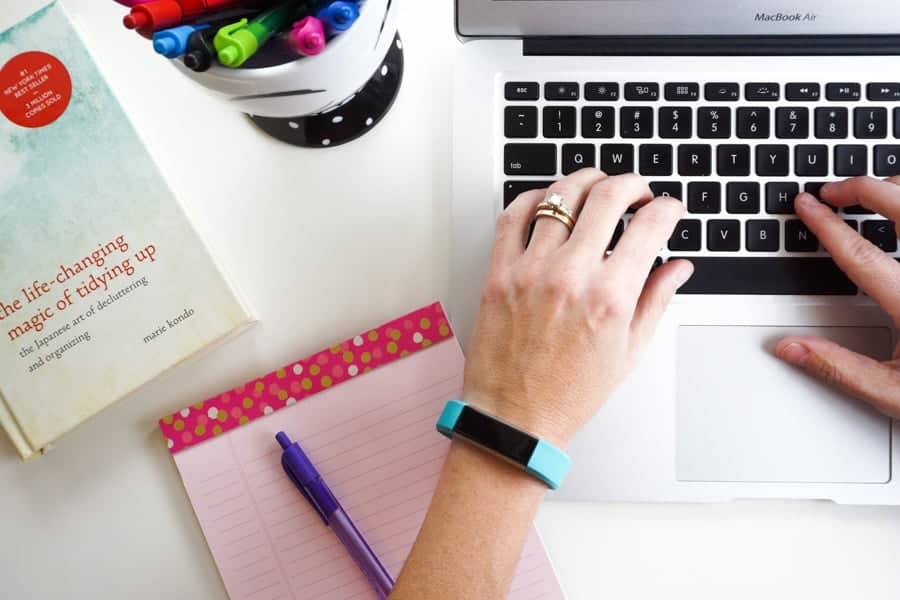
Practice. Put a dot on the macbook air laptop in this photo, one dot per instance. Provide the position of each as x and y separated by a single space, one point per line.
733 107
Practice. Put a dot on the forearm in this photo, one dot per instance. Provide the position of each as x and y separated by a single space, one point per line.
474 531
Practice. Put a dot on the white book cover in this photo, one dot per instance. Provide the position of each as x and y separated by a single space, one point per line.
104 283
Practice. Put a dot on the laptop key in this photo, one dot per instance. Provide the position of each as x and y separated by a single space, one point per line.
675 122
753 122
559 121
811 161
733 160
843 92
561 90
512 189
883 91
887 161
601 91
695 160
881 233
714 122
522 90
802 92
723 235
851 161
792 123
772 160
742 197
688 92
870 123
831 122
529 159
780 197
578 156
814 188
897 122
686 237
655 159
762 92
669 189
598 122
856 209
642 91
617 159
637 121
520 121
798 237
767 275
704 197
763 235
729 92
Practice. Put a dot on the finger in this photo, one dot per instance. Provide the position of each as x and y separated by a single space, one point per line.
855 374
882 197
549 234
512 227
606 203
656 297
639 246
872 270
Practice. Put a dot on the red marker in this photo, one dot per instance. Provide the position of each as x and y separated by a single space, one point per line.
161 14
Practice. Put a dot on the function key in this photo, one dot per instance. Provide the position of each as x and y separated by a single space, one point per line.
843 92
803 92
522 90
883 91
761 92
722 91
561 90
683 91
642 91
601 91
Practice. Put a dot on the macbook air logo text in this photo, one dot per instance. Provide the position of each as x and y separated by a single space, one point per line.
780 17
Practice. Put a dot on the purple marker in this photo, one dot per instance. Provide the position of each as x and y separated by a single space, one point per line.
305 477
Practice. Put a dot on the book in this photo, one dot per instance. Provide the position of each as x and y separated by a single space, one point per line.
104 283
364 411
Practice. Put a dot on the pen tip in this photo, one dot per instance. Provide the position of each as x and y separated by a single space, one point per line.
284 440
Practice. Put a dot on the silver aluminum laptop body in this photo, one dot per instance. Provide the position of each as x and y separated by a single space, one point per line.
710 414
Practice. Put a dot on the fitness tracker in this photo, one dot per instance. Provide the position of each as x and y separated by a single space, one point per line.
538 457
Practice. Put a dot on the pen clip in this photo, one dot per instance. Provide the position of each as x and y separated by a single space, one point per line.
227 30
302 488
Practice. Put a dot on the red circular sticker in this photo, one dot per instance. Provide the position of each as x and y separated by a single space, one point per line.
35 89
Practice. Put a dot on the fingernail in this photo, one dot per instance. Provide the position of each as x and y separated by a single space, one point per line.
684 273
794 353
808 201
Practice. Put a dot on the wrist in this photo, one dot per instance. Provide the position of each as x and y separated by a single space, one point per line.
485 471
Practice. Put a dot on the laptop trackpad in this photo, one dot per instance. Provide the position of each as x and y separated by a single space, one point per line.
743 416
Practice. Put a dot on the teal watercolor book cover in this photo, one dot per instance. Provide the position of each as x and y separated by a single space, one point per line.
104 283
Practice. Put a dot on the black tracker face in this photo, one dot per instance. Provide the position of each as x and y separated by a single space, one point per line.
496 436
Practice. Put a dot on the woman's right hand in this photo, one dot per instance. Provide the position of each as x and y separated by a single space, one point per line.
876 273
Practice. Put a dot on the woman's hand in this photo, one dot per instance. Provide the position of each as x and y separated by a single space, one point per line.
873 271
562 323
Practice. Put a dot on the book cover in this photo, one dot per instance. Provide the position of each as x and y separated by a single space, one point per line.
104 283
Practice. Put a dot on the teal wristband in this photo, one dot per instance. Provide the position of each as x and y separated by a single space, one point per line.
538 457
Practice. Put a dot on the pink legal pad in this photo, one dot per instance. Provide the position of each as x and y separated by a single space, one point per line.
364 411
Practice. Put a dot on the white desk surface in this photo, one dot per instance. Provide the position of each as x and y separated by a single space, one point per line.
321 255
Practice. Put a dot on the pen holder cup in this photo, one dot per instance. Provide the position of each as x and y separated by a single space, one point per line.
324 100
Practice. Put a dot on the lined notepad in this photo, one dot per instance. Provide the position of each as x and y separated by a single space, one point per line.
373 438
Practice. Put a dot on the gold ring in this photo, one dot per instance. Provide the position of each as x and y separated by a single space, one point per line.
563 218
557 203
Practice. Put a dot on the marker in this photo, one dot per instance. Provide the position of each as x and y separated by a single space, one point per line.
172 43
309 482
200 50
152 16
339 16
238 42
307 37
132 2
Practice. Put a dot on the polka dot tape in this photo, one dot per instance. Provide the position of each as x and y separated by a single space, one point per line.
301 379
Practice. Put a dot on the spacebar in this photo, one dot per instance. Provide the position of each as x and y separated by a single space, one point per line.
751 275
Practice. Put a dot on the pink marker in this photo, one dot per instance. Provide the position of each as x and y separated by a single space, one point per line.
307 37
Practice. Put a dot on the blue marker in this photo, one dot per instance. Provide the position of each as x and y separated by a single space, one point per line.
172 43
339 16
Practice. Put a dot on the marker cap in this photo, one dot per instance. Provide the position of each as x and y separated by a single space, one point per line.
147 18
235 44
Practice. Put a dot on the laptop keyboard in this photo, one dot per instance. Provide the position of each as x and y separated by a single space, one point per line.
735 153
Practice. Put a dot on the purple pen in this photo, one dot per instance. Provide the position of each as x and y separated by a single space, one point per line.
308 481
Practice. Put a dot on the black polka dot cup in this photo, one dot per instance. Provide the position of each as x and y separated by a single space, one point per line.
324 100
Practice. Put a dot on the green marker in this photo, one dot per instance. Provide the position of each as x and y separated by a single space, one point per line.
237 42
